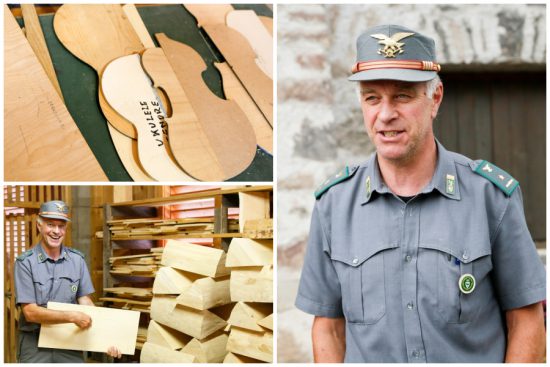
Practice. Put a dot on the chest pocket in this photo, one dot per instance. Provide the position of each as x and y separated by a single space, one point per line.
41 290
450 263
67 289
362 278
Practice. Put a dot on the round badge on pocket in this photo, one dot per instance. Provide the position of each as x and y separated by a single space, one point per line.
74 288
467 283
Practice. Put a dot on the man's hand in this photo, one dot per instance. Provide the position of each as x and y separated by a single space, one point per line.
526 335
329 339
114 352
81 320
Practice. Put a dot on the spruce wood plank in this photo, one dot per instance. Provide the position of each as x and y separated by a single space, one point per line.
230 135
249 252
252 284
209 350
237 358
152 353
110 327
252 206
129 91
248 24
39 133
248 315
196 259
252 344
267 322
165 336
209 13
206 293
172 281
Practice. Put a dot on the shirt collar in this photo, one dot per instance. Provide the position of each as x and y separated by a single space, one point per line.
43 256
444 180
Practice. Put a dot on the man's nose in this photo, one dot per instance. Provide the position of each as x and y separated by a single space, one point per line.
387 112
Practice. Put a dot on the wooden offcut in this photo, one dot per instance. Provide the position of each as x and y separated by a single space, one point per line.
209 13
248 252
252 284
39 133
248 315
209 350
172 281
110 327
267 322
206 293
258 345
253 206
152 353
165 336
237 358
229 134
198 324
195 259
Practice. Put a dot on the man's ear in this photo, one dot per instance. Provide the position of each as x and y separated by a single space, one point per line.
437 98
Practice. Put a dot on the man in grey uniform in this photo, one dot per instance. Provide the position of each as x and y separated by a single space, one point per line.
420 254
51 272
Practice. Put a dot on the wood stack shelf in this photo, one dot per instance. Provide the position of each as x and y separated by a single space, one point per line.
135 231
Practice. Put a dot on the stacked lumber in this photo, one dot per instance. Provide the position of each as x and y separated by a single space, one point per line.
129 298
143 265
251 286
190 306
127 229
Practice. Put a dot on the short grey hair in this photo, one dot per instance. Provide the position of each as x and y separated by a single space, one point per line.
431 86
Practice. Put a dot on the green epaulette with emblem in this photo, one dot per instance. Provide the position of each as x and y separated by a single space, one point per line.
338 177
502 179
24 255
73 250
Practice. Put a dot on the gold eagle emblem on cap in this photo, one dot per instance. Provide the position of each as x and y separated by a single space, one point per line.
392 46
61 207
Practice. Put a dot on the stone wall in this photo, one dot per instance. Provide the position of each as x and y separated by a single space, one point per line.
319 122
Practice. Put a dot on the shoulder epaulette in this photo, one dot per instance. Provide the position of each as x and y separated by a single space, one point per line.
341 176
73 250
24 255
502 179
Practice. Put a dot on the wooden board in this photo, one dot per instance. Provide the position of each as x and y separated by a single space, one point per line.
206 293
166 337
36 39
252 206
172 281
198 324
248 315
249 25
229 134
196 259
251 344
152 353
209 350
209 13
248 252
235 91
139 27
113 37
110 327
268 23
128 90
240 56
267 322
237 358
252 284
41 140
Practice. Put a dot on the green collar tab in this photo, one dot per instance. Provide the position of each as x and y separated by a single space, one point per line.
502 179
24 255
338 177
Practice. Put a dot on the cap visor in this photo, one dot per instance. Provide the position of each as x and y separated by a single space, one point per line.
53 216
405 75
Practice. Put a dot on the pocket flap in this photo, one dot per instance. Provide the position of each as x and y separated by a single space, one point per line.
366 252
466 254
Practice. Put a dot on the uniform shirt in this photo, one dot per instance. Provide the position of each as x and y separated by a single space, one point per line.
40 279
392 269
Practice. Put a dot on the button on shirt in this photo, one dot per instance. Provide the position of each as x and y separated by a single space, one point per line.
40 279
392 269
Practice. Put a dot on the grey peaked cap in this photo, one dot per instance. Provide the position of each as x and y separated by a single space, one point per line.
415 47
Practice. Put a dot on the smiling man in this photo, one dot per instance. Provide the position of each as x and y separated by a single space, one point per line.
420 254
51 272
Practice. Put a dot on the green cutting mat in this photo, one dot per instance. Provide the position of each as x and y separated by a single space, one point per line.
79 84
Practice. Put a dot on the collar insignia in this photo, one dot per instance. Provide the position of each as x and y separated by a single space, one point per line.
392 46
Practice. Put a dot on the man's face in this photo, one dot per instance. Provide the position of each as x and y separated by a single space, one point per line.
53 232
398 117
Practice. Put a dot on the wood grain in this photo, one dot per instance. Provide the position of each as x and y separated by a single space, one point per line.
110 327
229 134
152 353
41 140
234 91
113 37
139 27
128 90
247 23
35 36
238 53
268 23
209 13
